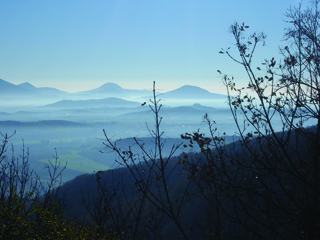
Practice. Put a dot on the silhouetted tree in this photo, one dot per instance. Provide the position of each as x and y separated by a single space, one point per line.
267 184
29 208
152 174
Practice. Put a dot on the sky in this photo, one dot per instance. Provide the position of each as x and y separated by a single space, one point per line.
77 45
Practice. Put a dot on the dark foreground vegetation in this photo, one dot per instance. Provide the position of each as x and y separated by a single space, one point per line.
264 186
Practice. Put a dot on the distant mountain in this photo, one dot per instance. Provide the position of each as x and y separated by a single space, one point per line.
108 87
181 114
10 90
41 90
113 90
25 94
28 86
5 114
44 123
191 92
93 103
202 108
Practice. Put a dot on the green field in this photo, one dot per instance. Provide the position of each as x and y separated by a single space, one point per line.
77 162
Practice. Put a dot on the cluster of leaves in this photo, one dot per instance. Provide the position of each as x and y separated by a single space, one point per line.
34 221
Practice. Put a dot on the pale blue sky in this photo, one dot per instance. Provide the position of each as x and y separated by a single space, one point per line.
79 45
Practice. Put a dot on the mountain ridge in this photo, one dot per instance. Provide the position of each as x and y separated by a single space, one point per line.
193 92
13 95
105 102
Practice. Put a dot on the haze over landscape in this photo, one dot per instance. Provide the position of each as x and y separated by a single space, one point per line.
47 118
71 69
179 119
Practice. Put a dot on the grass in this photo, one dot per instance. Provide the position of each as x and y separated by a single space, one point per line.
77 162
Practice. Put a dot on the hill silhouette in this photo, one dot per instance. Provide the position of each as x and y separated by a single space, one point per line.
192 92
93 103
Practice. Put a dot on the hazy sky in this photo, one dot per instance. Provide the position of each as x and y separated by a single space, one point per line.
78 45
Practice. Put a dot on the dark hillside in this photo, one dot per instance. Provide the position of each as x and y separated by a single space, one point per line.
120 185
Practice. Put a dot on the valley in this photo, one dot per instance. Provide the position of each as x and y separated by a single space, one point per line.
73 123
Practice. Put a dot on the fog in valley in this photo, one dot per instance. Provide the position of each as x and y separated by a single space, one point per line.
45 119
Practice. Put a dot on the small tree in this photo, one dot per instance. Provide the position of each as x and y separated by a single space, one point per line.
152 174
29 209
